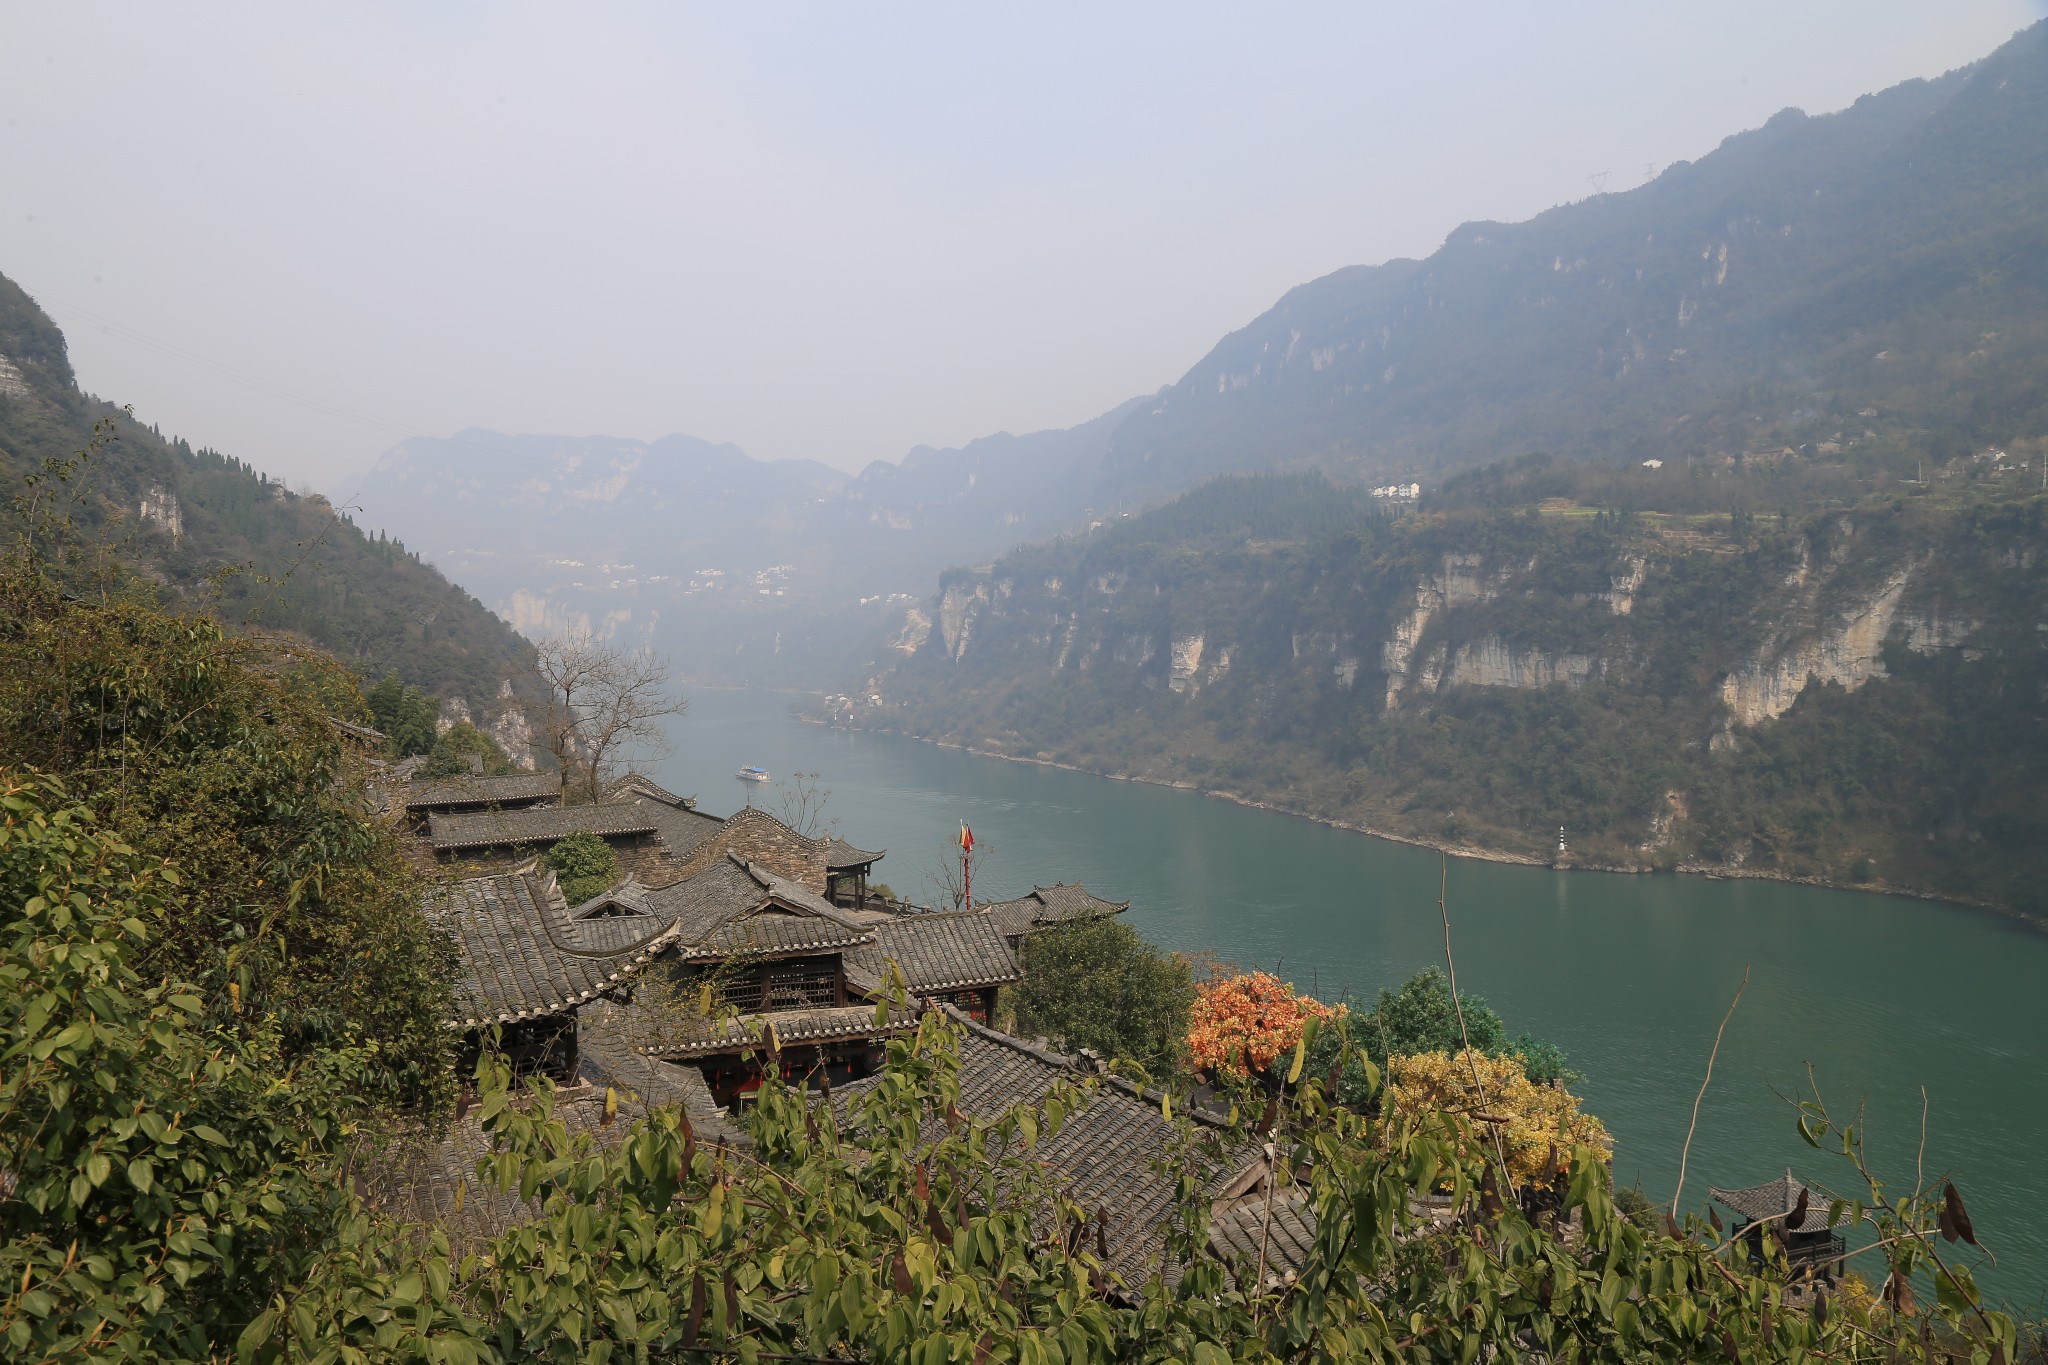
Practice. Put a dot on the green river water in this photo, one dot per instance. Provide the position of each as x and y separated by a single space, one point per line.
1881 995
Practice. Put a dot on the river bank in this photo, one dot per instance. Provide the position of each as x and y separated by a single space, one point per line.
1630 976
1456 849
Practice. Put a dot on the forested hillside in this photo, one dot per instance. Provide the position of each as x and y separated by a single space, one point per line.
1770 603
1856 690
209 529
1887 256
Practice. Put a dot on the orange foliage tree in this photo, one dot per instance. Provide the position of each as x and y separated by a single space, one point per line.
1239 1024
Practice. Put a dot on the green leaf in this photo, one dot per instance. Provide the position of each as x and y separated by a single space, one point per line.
208 1134
142 1174
1300 1056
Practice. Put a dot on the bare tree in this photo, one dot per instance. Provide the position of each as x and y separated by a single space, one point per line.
605 707
803 804
946 877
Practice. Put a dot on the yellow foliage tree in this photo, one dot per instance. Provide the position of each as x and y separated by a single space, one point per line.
1532 1120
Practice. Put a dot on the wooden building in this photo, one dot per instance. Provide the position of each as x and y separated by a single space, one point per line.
1797 1215
1046 905
846 874
959 959
525 973
418 799
758 975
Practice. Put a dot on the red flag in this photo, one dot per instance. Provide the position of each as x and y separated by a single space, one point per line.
966 838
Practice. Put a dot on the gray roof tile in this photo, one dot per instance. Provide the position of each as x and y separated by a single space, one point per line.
1051 905
944 952
433 793
535 825
1285 1229
1113 1153
515 961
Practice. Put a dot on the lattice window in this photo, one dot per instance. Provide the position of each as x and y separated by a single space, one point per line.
741 990
968 1003
809 984
732 987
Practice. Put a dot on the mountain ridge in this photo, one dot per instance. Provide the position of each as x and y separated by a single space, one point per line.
212 533
1755 590
1417 368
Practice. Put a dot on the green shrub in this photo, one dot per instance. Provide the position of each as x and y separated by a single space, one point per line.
584 865
458 744
1096 984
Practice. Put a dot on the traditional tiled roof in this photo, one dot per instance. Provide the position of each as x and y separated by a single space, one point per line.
634 785
1284 1228
1110 1151
774 934
1051 905
676 819
945 952
840 855
439 793
627 898
755 836
1775 1199
361 734
515 964
534 825
733 908
735 1033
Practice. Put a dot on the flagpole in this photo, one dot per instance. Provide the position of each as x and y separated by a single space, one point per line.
967 864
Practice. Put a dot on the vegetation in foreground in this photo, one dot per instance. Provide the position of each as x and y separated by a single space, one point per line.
178 1191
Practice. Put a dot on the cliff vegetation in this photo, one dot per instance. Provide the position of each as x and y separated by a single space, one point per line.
1801 667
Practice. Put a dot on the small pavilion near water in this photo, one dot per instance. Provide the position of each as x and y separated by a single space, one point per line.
1797 1215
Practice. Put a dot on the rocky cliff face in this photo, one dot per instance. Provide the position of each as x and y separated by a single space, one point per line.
1617 676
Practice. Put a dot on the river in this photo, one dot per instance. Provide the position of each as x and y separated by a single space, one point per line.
1881 995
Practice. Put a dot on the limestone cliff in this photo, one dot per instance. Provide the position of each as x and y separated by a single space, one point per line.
1796 697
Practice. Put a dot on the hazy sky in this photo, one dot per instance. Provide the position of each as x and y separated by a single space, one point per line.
299 233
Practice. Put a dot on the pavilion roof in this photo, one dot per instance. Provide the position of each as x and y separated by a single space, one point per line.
840 855
1052 905
1775 1199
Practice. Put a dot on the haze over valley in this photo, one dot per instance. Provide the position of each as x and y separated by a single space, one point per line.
1143 684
